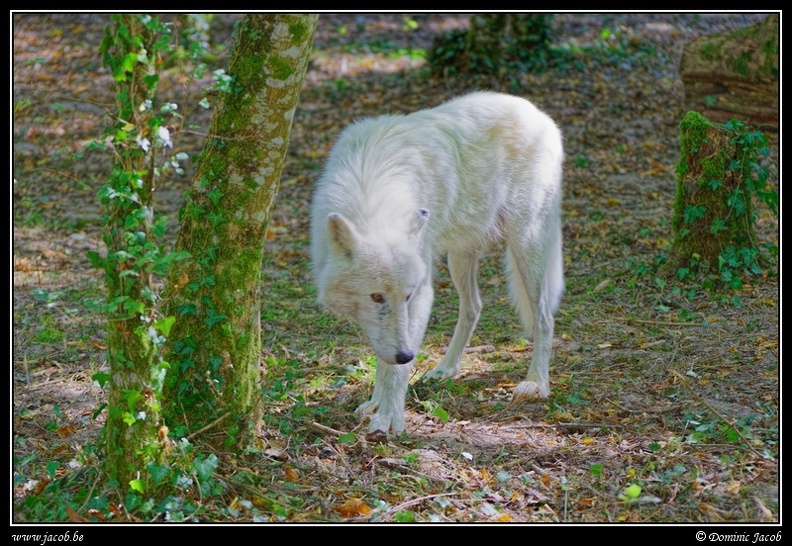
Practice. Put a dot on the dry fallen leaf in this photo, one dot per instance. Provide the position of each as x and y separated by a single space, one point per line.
377 437
353 507
292 475
74 516
66 431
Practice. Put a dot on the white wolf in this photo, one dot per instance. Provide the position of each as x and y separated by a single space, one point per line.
399 190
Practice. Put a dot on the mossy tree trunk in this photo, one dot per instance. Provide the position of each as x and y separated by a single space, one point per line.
215 344
713 207
132 429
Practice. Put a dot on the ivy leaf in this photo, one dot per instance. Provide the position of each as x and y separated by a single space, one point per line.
214 196
158 472
96 260
164 325
693 213
52 467
440 413
731 434
714 184
717 225
127 65
736 201
213 318
215 219
204 467
137 485
101 378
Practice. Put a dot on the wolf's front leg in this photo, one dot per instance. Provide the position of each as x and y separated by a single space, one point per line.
464 271
387 401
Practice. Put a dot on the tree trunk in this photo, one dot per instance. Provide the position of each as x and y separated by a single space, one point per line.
499 36
215 345
713 208
495 44
136 369
735 75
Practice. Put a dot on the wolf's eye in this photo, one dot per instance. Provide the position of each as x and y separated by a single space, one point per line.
408 297
378 298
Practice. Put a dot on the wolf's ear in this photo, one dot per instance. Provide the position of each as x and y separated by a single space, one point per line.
343 238
418 222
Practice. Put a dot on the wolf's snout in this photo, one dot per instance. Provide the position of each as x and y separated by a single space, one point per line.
403 357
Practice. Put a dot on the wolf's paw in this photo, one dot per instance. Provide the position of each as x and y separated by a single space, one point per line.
440 372
530 390
384 422
367 407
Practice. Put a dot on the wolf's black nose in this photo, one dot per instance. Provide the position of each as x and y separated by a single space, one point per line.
403 357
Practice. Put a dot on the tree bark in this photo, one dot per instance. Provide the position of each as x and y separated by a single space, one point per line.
735 75
215 345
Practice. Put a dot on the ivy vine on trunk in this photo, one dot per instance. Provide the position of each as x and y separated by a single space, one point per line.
134 437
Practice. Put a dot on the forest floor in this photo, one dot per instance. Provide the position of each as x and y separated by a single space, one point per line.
665 396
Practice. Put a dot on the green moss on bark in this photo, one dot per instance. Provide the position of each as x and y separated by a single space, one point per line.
215 296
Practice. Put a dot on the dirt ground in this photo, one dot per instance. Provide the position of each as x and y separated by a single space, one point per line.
671 388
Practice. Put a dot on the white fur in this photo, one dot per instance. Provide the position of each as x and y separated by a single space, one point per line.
399 190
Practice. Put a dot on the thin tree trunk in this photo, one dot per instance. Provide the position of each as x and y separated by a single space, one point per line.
136 370
215 343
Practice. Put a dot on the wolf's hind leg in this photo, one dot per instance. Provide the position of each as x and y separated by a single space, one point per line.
536 276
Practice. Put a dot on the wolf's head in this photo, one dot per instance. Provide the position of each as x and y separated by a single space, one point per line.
373 278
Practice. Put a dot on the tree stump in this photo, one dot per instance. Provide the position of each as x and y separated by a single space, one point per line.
495 44
712 208
735 75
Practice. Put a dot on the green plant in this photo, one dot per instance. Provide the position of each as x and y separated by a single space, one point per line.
722 176
405 516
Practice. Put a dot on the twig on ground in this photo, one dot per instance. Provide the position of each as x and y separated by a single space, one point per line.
326 429
411 503
666 409
718 414
663 322
207 427
481 349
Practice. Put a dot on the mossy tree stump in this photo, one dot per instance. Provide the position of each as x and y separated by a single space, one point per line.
735 74
713 206
495 44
